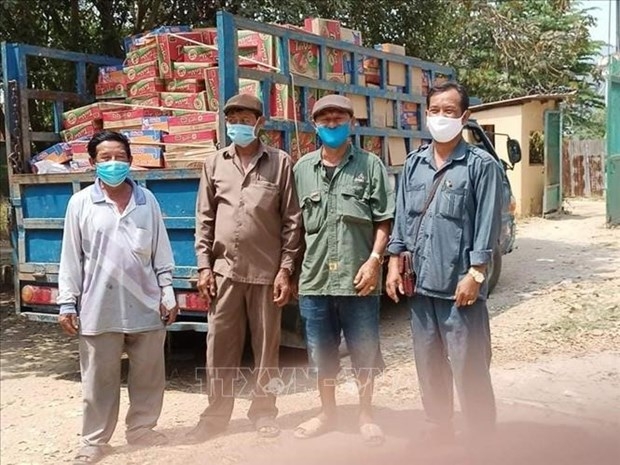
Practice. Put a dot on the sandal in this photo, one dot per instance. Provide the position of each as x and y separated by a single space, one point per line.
313 428
266 427
372 434
91 454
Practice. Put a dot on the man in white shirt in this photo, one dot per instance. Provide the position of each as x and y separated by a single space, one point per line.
115 292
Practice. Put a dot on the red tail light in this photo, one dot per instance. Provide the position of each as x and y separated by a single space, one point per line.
39 295
192 301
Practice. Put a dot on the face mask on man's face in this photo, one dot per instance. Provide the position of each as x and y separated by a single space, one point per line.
241 134
444 129
113 173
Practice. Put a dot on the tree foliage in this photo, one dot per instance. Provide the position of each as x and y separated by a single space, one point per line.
501 49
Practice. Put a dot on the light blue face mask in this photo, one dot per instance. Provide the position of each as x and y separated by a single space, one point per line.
113 173
334 137
241 134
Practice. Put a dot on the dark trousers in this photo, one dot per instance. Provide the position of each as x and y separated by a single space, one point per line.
237 305
453 343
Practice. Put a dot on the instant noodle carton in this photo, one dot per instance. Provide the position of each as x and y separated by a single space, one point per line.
183 100
83 130
199 54
147 88
81 115
142 55
186 85
142 71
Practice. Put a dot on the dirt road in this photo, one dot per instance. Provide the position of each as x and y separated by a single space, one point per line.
556 339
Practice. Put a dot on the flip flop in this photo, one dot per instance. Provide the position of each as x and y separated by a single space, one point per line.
372 434
266 427
313 428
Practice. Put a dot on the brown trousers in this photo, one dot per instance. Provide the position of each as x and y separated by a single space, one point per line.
100 365
238 305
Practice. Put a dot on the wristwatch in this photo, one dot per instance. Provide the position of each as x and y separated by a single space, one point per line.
477 275
377 257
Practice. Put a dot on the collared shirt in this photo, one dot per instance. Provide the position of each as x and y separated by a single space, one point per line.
114 264
339 218
461 226
248 222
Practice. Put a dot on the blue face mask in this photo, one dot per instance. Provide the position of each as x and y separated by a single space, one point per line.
334 137
113 173
241 134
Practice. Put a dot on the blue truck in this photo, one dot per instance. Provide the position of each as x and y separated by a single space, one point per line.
38 201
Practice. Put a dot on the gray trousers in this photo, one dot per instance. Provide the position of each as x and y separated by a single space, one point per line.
100 365
453 346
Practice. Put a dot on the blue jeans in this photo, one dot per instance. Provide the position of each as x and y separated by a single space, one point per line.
325 317
453 346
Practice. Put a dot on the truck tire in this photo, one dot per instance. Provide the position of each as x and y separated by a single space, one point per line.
495 269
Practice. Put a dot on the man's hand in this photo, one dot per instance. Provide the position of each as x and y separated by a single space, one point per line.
394 281
206 285
367 278
467 291
69 323
168 316
282 288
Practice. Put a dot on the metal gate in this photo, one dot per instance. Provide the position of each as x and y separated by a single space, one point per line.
613 143
552 197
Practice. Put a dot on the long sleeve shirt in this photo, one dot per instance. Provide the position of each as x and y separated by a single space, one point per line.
113 265
461 227
248 221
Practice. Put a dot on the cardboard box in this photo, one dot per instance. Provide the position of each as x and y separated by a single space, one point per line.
81 115
190 137
186 85
373 144
79 149
391 48
170 49
193 122
390 114
132 118
258 47
110 90
57 153
147 156
360 106
351 36
324 27
199 54
209 34
273 139
426 81
147 88
409 116
158 123
141 55
397 151
189 70
111 75
304 59
417 81
284 106
304 145
335 62
145 38
141 72
397 74
378 114
153 101
246 86
184 100
83 130
142 136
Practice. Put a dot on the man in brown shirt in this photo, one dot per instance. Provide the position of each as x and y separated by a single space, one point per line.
248 233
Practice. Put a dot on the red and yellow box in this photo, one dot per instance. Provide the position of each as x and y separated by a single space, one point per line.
141 72
83 130
127 118
170 49
189 70
323 27
147 88
199 54
109 90
186 85
190 137
81 115
193 122
184 100
141 55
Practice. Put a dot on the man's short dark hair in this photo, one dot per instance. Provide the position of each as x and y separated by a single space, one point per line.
445 87
107 136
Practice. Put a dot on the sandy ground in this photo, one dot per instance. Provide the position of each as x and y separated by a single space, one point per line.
556 340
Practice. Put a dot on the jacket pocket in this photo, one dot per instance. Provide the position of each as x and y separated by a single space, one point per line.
451 203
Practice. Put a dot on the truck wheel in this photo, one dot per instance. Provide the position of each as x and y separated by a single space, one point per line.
495 269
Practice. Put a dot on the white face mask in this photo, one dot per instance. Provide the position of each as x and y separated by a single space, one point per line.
444 129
